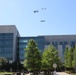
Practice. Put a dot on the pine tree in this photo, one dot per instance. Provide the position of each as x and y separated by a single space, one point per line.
49 57
66 58
32 56
74 59
70 58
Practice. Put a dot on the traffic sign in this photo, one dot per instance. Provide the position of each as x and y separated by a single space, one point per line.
54 65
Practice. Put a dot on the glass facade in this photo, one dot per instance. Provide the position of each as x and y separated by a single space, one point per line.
22 42
73 44
12 45
55 44
6 45
63 43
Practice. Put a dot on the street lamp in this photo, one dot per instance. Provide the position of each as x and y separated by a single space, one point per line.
55 66
17 66
0 65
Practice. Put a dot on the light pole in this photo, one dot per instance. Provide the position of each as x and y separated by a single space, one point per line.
55 66
17 66
0 65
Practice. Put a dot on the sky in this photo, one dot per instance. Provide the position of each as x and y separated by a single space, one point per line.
59 16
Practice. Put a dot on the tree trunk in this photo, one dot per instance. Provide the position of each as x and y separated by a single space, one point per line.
65 68
45 72
49 73
75 70
35 72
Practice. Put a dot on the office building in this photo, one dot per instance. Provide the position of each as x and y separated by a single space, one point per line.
8 42
12 45
22 42
61 42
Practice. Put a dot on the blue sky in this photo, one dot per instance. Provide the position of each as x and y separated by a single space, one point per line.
59 16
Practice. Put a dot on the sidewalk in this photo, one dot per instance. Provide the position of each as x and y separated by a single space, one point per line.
58 73
62 73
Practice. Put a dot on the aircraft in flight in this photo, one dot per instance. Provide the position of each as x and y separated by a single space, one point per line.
42 20
36 11
43 8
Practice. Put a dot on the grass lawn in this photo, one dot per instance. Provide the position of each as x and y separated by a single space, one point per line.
2 73
73 74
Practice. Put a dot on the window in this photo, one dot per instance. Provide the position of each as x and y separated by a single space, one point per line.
61 43
55 43
47 43
52 43
73 44
25 40
65 42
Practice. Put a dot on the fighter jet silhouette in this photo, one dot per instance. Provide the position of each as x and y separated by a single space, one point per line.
42 20
36 11
43 8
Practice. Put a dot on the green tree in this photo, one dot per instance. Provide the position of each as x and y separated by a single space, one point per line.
32 56
66 58
49 57
3 62
74 59
70 58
